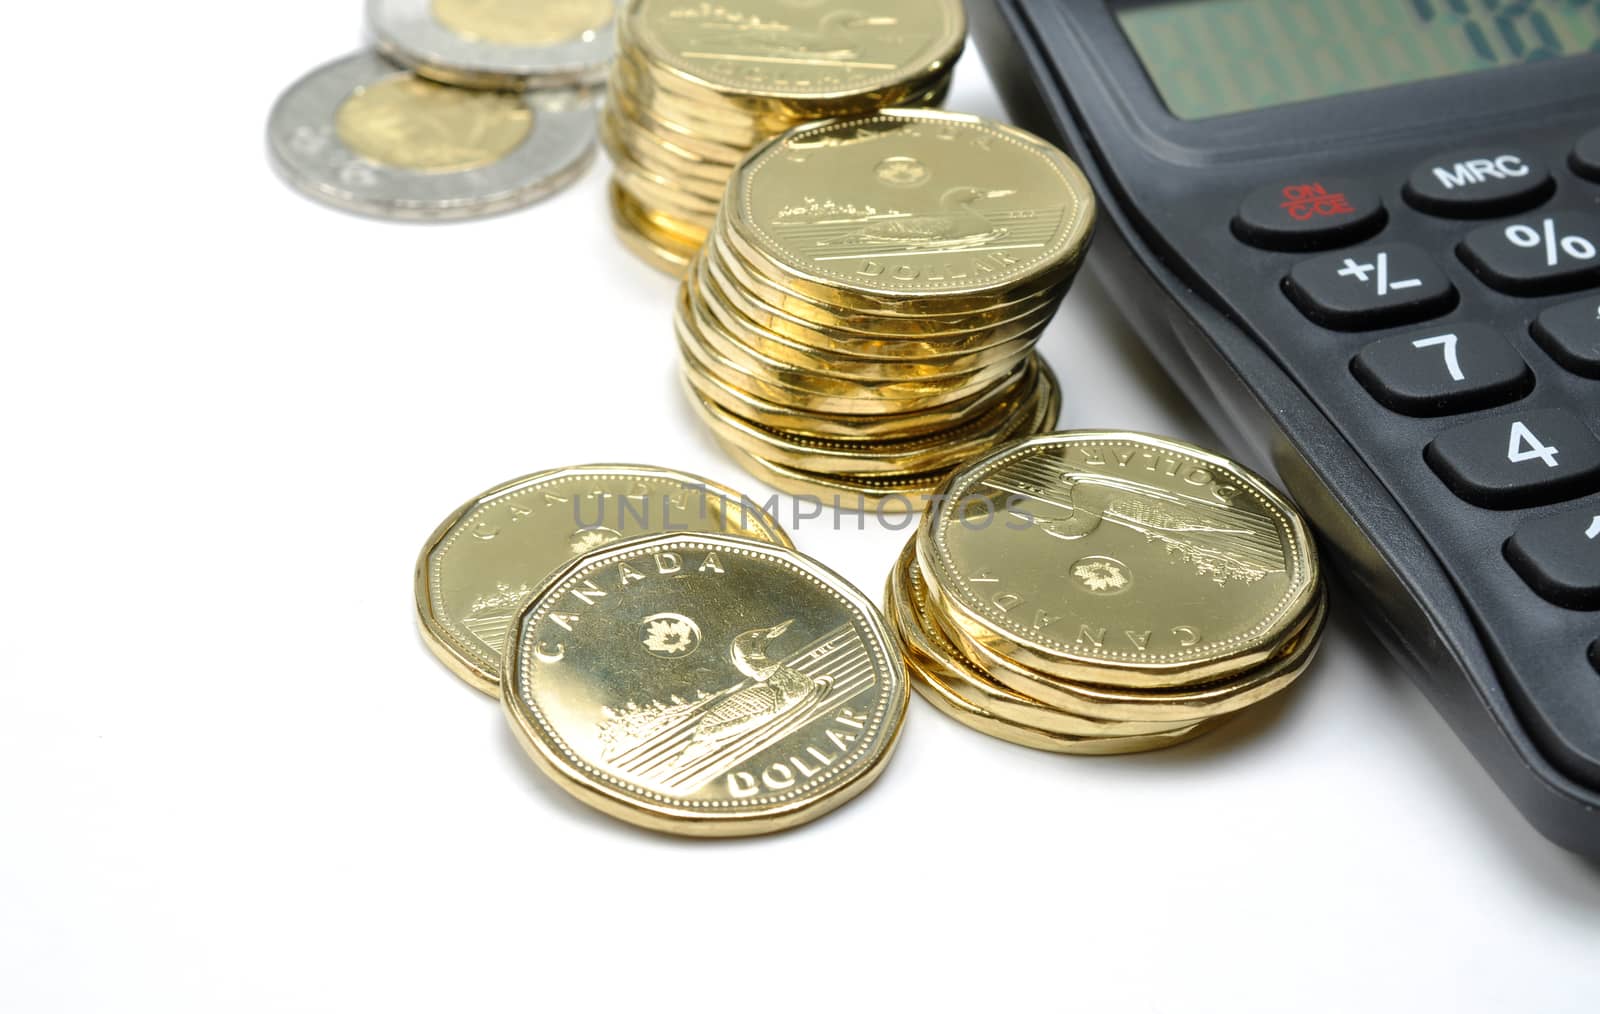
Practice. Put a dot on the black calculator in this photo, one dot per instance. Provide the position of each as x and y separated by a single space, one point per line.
1364 237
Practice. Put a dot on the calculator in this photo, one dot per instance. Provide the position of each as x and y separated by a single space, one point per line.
1364 238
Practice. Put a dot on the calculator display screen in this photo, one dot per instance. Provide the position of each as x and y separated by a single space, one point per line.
1213 57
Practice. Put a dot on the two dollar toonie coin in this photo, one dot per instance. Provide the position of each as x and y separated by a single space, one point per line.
508 45
369 137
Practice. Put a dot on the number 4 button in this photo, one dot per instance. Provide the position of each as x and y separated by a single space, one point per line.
1457 368
1525 460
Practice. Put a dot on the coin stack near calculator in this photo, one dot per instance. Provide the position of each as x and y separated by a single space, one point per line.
470 108
1103 593
697 85
863 317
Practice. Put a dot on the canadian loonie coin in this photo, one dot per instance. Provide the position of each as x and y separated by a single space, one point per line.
495 553
659 242
938 660
1194 704
778 53
705 685
498 44
364 135
1124 560
877 211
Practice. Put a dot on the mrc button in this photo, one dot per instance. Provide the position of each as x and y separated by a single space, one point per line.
1309 213
1479 183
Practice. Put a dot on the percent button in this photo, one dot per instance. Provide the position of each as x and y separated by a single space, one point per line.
1537 256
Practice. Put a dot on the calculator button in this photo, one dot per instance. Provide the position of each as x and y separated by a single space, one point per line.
1571 334
1586 156
1315 213
1479 183
1560 558
1534 256
1457 368
1524 460
1371 286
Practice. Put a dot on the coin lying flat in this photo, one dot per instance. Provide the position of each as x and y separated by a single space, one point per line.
1121 559
498 44
494 553
705 685
366 136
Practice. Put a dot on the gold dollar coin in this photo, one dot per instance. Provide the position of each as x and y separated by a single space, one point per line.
806 50
705 685
912 205
940 661
1120 559
495 553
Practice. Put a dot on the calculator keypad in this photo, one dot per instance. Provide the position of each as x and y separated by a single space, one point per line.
1570 333
1479 183
1443 370
1559 556
1371 286
1529 459
1537 255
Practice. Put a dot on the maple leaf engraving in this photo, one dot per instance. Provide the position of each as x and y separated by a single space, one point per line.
1100 575
669 637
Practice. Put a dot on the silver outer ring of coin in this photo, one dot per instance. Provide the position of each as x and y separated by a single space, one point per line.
305 144
407 32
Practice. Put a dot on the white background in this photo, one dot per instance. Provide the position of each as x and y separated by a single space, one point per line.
232 779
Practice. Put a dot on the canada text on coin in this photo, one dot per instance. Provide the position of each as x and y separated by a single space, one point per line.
705 685
493 554
1140 557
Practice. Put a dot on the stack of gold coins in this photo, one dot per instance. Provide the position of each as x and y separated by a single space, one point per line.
863 318
696 85
1103 593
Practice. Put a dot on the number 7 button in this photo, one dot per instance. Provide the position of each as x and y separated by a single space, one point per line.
1523 460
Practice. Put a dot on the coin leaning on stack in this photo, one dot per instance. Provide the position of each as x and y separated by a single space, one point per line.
662 651
863 317
1104 593
474 107
696 86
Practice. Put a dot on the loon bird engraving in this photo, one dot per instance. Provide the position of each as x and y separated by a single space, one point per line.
830 41
957 224
776 690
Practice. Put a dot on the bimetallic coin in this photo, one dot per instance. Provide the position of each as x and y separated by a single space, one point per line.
932 654
498 44
879 210
809 51
705 685
366 136
496 552
1194 704
1140 560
